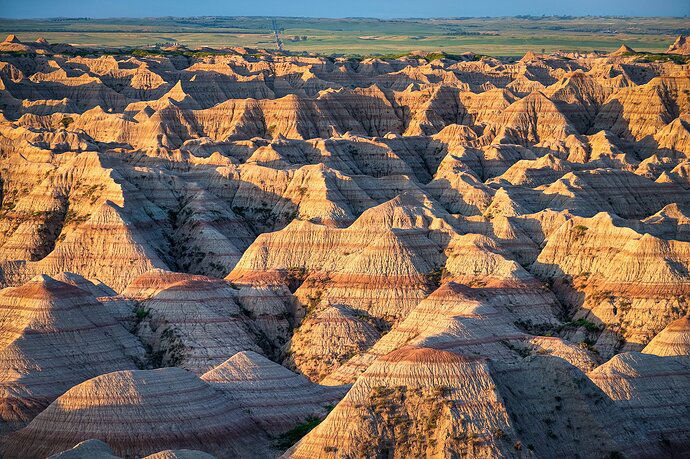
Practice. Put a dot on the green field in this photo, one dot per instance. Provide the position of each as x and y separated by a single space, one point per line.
359 36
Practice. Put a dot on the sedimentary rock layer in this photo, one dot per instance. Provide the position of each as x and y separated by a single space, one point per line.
458 255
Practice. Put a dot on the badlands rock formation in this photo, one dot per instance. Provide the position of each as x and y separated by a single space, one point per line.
210 253
138 412
96 448
680 46
672 340
275 397
55 335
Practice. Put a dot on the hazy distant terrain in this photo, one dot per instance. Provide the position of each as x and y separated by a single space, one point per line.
497 36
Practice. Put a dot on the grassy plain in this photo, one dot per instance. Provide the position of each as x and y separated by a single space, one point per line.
360 36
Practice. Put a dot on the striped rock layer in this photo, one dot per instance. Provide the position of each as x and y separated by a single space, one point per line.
54 336
673 340
275 397
96 448
468 251
418 401
141 412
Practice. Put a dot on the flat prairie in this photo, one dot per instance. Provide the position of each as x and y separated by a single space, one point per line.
500 36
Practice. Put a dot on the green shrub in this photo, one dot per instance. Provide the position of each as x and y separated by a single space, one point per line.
295 277
292 436
435 277
660 57
589 326
141 313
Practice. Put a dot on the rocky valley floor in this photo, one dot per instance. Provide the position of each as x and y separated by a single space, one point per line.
246 254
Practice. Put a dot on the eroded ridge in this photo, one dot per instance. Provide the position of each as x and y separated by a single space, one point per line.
243 253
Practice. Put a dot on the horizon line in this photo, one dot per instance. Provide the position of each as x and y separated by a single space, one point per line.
379 18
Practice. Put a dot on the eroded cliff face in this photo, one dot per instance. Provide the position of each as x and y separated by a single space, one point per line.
443 259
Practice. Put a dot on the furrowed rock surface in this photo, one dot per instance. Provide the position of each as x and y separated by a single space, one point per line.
672 340
470 321
415 401
55 335
680 46
86 449
276 398
194 324
328 338
135 413
631 283
652 390
96 448
463 254
555 407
